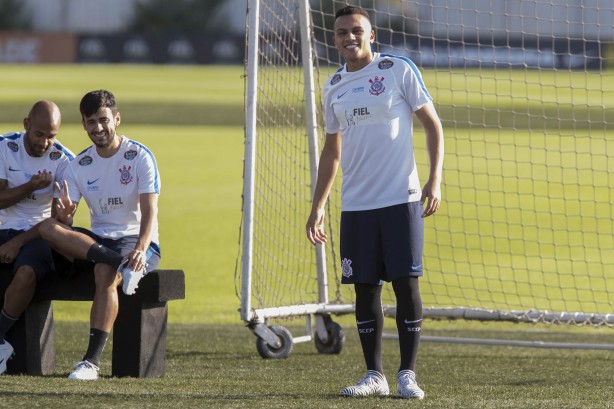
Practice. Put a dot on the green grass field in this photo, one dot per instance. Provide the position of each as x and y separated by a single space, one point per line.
192 118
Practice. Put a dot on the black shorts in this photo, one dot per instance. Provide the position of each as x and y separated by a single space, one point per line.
123 246
382 244
36 254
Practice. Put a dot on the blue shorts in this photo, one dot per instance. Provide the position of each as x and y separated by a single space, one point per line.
36 254
123 246
382 244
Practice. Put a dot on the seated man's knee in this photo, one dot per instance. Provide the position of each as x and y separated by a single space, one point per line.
25 277
47 228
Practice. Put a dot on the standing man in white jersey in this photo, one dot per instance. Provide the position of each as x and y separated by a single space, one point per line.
119 180
30 162
369 104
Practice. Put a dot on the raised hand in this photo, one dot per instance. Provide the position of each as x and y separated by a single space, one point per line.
65 208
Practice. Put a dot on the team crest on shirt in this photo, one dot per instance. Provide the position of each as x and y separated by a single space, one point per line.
13 146
336 78
55 155
377 86
126 176
346 268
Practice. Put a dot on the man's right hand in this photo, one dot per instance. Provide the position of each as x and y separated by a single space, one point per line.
41 180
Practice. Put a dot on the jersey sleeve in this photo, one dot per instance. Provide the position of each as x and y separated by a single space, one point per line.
331 124
73 189
147 173
3 174
414 88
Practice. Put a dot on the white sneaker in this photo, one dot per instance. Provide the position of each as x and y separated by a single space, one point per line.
6 353
407 387
373 383
130 277
84 371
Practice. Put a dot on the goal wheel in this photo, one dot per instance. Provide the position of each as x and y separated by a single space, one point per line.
283 351
336 339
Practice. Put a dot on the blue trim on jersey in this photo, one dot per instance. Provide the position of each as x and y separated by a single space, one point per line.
153 158
414 68
13 136
65 151
84 150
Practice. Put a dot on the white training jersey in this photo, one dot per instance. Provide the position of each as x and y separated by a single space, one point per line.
373 108
17 168
111 187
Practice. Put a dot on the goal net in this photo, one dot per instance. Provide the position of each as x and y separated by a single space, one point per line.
525 91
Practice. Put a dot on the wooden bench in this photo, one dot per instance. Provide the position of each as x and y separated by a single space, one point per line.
139 333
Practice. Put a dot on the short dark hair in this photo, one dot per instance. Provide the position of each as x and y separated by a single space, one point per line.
349 10
94 100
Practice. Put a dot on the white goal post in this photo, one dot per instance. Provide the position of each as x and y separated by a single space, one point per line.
525 90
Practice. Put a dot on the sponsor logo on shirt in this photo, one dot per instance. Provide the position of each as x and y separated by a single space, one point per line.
90 185
110 204
85 161
55 155
336 78
385 64
13 146
358 89
129 155
357 115
377 86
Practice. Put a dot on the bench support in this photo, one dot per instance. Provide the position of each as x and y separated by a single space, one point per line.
139 339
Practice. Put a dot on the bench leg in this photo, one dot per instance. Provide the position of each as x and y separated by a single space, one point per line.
139 338
32 336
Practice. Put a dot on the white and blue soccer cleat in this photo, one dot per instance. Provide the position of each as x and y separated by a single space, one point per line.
407 387
373 383
6 353
84 371
130 277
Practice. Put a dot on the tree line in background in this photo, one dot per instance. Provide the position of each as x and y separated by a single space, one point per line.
185 16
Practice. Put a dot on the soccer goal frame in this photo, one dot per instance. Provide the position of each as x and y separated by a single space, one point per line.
289 52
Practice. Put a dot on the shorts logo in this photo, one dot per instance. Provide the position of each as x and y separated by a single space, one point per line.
377 86
126 176
346 268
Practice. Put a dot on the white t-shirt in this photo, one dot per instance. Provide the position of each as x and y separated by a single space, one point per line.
111 187
372 108
17 167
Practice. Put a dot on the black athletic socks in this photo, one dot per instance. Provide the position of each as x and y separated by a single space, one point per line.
98 253
6 322
98 340
370 323
409 319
